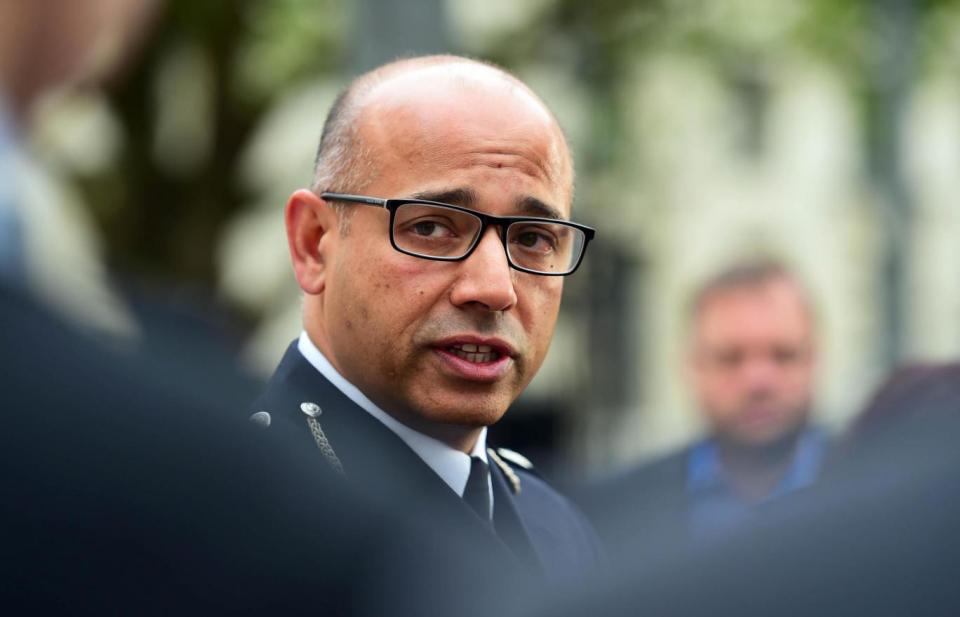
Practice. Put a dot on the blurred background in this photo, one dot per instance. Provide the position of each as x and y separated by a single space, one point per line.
824 133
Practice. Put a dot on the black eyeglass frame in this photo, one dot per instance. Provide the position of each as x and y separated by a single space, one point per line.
502 222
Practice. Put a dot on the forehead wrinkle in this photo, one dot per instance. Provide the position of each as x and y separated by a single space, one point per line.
551 163
526 163
530 139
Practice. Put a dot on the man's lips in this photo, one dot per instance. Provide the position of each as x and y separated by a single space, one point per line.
759 414
476 358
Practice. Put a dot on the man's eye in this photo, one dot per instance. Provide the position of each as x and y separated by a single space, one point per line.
728 359
430 229
536 240
786 355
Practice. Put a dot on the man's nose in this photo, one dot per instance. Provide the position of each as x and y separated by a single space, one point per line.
486 278
760 371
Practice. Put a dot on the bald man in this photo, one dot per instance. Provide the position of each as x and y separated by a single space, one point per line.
431 250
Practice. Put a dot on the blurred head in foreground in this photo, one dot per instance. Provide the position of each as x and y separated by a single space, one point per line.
913 391
55 43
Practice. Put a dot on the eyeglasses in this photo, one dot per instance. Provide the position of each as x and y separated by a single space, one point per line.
444 232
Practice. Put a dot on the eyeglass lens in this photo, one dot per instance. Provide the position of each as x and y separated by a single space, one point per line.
435 231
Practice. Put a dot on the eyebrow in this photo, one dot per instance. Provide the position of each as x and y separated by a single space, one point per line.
458 197
535 207
467 198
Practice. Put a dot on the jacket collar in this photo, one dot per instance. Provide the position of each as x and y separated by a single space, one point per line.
376 459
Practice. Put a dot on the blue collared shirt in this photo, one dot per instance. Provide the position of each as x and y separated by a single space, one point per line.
713 503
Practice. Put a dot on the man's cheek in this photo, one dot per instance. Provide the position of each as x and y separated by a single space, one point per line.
400 266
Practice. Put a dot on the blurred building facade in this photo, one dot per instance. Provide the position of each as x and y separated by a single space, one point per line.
704 132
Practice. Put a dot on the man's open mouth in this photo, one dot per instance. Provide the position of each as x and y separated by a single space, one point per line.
474 353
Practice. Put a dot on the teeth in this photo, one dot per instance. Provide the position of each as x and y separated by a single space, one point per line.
471 348
463 351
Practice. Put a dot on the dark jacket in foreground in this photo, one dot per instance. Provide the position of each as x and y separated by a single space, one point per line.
125 494
878 535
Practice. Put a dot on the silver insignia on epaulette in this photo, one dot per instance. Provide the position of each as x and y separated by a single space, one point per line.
511 475
311 409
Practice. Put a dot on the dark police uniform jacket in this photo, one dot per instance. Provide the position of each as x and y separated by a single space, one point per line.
533 525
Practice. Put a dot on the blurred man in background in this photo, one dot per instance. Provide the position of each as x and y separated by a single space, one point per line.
751 363
431 252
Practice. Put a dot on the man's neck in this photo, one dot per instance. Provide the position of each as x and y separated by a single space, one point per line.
754 472
462 438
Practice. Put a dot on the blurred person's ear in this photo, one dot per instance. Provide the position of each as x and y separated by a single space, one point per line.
692 355
311 229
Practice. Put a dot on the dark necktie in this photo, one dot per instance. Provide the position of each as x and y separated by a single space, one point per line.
477 492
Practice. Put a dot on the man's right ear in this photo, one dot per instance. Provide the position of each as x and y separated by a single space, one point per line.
311 226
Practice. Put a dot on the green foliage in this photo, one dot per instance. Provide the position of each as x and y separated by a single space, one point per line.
286 41
167 224
163 221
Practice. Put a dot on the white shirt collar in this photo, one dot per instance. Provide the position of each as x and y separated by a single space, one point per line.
452 465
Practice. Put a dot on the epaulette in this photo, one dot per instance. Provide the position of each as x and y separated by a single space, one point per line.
312 411
504 458
516 458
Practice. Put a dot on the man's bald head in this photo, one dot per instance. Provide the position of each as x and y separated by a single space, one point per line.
346 158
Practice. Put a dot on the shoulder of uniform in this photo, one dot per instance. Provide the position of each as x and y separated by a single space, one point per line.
507 470
510 463
262 418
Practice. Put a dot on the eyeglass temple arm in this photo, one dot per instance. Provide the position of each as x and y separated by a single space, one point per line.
359 199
